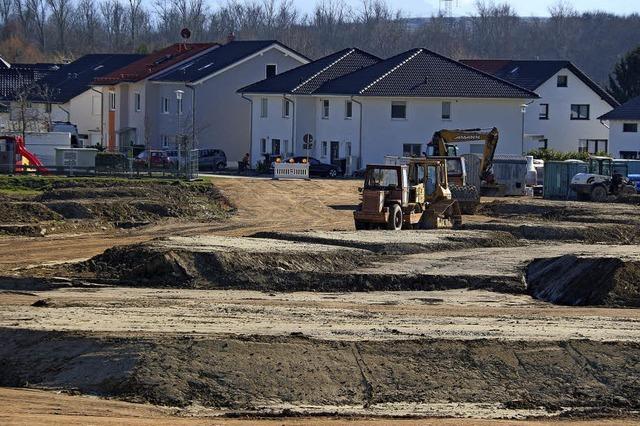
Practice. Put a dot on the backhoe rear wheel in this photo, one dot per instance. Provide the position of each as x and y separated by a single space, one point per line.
395 218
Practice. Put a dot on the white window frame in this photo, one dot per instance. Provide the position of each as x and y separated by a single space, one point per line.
630 124
137 101
399 103
264 107
544 112
164 107
326 109
180 106
263 145
348 115
286 108
323 149
446 117
165 141
266 72
112 101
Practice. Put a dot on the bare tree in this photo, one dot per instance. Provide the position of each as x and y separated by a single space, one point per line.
60 13
6 8
88 23
36 12
113 16
135 17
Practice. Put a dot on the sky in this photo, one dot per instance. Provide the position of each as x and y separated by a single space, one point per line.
422 8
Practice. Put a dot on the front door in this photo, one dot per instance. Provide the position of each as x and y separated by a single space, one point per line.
335 153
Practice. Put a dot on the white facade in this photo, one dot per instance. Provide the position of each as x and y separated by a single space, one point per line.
338 136
624 138
221 118
559 131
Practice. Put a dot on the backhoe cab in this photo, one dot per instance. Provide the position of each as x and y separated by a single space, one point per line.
407 196
601 182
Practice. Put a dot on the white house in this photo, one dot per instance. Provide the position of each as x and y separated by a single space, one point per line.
66 95
566 116
126 94
623 129
359 108
210 111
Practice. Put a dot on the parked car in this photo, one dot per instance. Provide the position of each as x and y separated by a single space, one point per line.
317 167
159 159
208 159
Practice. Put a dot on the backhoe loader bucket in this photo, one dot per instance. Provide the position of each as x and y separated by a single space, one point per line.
442 214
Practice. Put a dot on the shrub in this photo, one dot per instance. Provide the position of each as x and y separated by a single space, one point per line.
553 155
112 161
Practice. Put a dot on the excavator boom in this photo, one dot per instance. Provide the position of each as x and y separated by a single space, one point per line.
443 141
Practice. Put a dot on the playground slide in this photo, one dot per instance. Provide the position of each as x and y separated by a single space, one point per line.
33 160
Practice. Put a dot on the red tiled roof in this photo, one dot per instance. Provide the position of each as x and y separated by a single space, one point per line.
154 63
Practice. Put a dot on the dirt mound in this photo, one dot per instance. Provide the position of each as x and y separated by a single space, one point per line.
26 212
231 373
573 280
150 265
567 211
394 243
604 233
75 193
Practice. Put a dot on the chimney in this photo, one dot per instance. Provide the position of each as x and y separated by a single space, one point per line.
231 37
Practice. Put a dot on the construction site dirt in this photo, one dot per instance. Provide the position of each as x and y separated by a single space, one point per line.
275 306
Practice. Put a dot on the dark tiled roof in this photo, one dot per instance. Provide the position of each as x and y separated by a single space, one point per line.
420 72
75 78
306 79
532 74
154 63
627 111
21 75
217 59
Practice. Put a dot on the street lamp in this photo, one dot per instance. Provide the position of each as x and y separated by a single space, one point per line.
182 150
523 110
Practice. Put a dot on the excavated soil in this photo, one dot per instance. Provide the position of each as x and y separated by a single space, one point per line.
55 203
255 373
576 280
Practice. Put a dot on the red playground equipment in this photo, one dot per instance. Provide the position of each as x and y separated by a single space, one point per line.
16 145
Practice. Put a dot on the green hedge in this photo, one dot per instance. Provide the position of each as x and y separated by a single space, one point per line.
111 161
553 155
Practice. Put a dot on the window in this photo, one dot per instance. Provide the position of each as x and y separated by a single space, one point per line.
285 148
264 107
96 105
180 106
629 155
325 108
286 108
263 145
411 149
271 70
323 151
137 102
165 105
47 108
112 101
446 110
593 146
544 111
275 146
348 110
398 110
544 144
563 81
579 112
165 141
630 127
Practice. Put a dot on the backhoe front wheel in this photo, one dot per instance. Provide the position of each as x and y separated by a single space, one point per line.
599 193
395 218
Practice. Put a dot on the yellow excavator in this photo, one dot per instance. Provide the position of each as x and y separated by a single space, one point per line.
443 144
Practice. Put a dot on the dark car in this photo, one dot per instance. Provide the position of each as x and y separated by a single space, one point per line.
208 159
317 167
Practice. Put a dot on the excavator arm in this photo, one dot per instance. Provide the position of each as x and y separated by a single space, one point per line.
443 145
